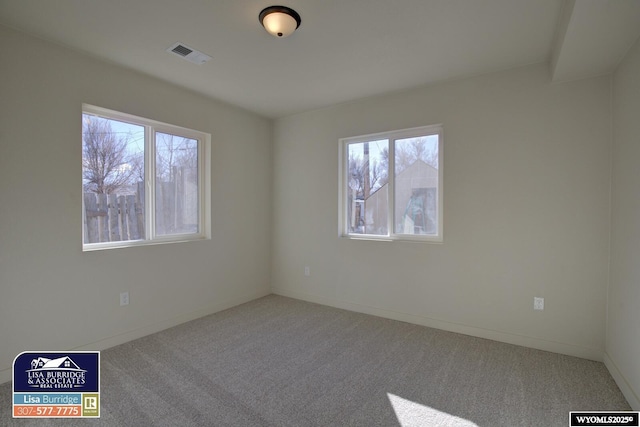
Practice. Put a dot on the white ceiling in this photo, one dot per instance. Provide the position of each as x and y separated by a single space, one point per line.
593 36
343 50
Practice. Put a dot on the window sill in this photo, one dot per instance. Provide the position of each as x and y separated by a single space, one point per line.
373 238
92 247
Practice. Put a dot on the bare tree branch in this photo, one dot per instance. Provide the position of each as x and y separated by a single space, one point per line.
106 163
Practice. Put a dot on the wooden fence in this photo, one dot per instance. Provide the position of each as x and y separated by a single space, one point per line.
119 217
113 217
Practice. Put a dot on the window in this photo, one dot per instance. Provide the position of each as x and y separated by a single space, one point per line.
143 181
391 185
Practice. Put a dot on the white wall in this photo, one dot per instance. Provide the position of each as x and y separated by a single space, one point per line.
55 297
623 314
526 211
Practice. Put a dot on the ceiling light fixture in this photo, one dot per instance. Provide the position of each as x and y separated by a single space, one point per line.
280 21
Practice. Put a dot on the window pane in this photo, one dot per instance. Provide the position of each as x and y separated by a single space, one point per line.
112 179
416 185
367 187
176 184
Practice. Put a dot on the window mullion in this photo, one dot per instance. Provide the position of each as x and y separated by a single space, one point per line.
150 187
391 220
391 190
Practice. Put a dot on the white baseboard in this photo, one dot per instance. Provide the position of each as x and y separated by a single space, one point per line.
105 343
506 337
626 389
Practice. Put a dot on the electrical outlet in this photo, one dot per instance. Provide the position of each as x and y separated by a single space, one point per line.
538 303
307 271
124 298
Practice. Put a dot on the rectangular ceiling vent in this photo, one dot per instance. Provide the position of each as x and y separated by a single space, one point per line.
188 53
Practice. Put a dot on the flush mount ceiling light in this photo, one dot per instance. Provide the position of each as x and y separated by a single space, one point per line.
279 21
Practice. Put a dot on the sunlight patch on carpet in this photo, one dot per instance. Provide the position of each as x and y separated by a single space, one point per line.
412 414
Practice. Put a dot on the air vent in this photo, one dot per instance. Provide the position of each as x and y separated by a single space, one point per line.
181 50
191 55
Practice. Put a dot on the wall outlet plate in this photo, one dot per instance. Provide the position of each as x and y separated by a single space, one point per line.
124 298
538 303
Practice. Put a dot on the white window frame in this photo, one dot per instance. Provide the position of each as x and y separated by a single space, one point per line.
204 181
343 221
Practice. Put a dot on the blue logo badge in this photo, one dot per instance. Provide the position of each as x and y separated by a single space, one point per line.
56 384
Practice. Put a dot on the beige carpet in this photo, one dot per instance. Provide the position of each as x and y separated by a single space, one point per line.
282 362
